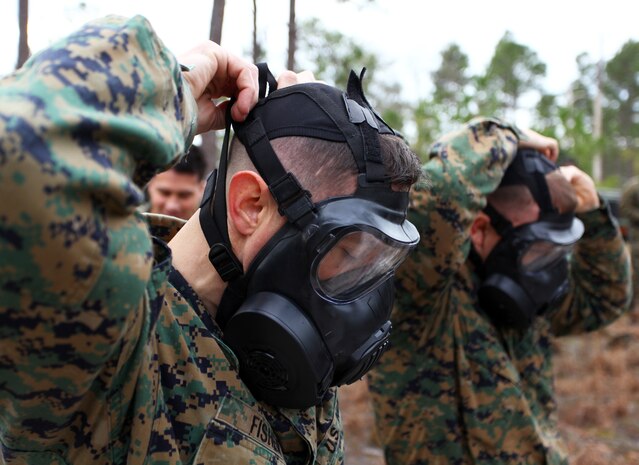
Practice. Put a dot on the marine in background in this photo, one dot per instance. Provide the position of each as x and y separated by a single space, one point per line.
178 190
513 253
629 212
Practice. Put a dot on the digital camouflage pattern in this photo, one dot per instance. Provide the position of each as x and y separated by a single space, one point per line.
106 354
454 389
629 211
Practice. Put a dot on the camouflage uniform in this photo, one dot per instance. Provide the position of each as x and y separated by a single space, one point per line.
629 212
454 389
106 355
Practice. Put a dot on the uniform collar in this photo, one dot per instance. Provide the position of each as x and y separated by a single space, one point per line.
163 227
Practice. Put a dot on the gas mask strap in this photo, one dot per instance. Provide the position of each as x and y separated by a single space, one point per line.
294 202
375 170
213 216
529 168
498 221
538 166
370 125
266 80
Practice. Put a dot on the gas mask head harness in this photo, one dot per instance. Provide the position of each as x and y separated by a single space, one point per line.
528 269
312 310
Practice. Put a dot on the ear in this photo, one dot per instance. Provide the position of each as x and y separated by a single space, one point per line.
248 200
481 235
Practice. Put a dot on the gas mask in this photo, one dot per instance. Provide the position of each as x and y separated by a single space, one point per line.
312 310
528 269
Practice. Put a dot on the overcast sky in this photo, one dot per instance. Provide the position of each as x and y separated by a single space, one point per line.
408 35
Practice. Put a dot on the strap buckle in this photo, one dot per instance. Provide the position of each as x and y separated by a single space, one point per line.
225 262
294 201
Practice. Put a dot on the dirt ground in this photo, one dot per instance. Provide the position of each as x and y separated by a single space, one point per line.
597 385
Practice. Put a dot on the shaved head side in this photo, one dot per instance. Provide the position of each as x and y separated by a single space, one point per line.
328 169
517 204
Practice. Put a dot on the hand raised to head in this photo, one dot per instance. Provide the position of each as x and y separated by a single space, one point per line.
546 145
217 73
289 78
587 197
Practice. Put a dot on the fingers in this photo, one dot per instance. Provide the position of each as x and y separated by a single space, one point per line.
289 78
546 145
216 73
247 91
210 116
584 186
552 152
569 172
236 78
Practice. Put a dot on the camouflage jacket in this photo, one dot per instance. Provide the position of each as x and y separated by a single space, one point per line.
453 388
629 206
106 354
629 215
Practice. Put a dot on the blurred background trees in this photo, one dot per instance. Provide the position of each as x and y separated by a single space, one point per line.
596 119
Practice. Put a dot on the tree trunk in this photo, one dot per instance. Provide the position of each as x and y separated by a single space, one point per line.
292 36
209 144
217 18
597 126
23 44
256 45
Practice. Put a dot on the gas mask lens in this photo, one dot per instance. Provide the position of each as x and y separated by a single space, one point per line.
541 254
355 263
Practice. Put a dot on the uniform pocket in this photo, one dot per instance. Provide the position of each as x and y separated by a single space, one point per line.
239 433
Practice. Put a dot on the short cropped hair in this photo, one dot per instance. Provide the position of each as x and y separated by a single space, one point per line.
513 200
191 163
328 169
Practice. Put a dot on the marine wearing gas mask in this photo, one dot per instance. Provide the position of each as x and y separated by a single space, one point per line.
459 383
312 309
528 269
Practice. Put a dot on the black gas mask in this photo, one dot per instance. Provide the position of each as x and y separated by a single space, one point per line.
312 311
528 269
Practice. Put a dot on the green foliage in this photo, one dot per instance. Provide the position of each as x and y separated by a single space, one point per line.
610 182
451 79
513 70
331 55
577 143
451 98
622 90
427 127
547 119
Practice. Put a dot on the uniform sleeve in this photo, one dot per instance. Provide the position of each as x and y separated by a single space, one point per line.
629 202
600 286
330 431
82 126
464 167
